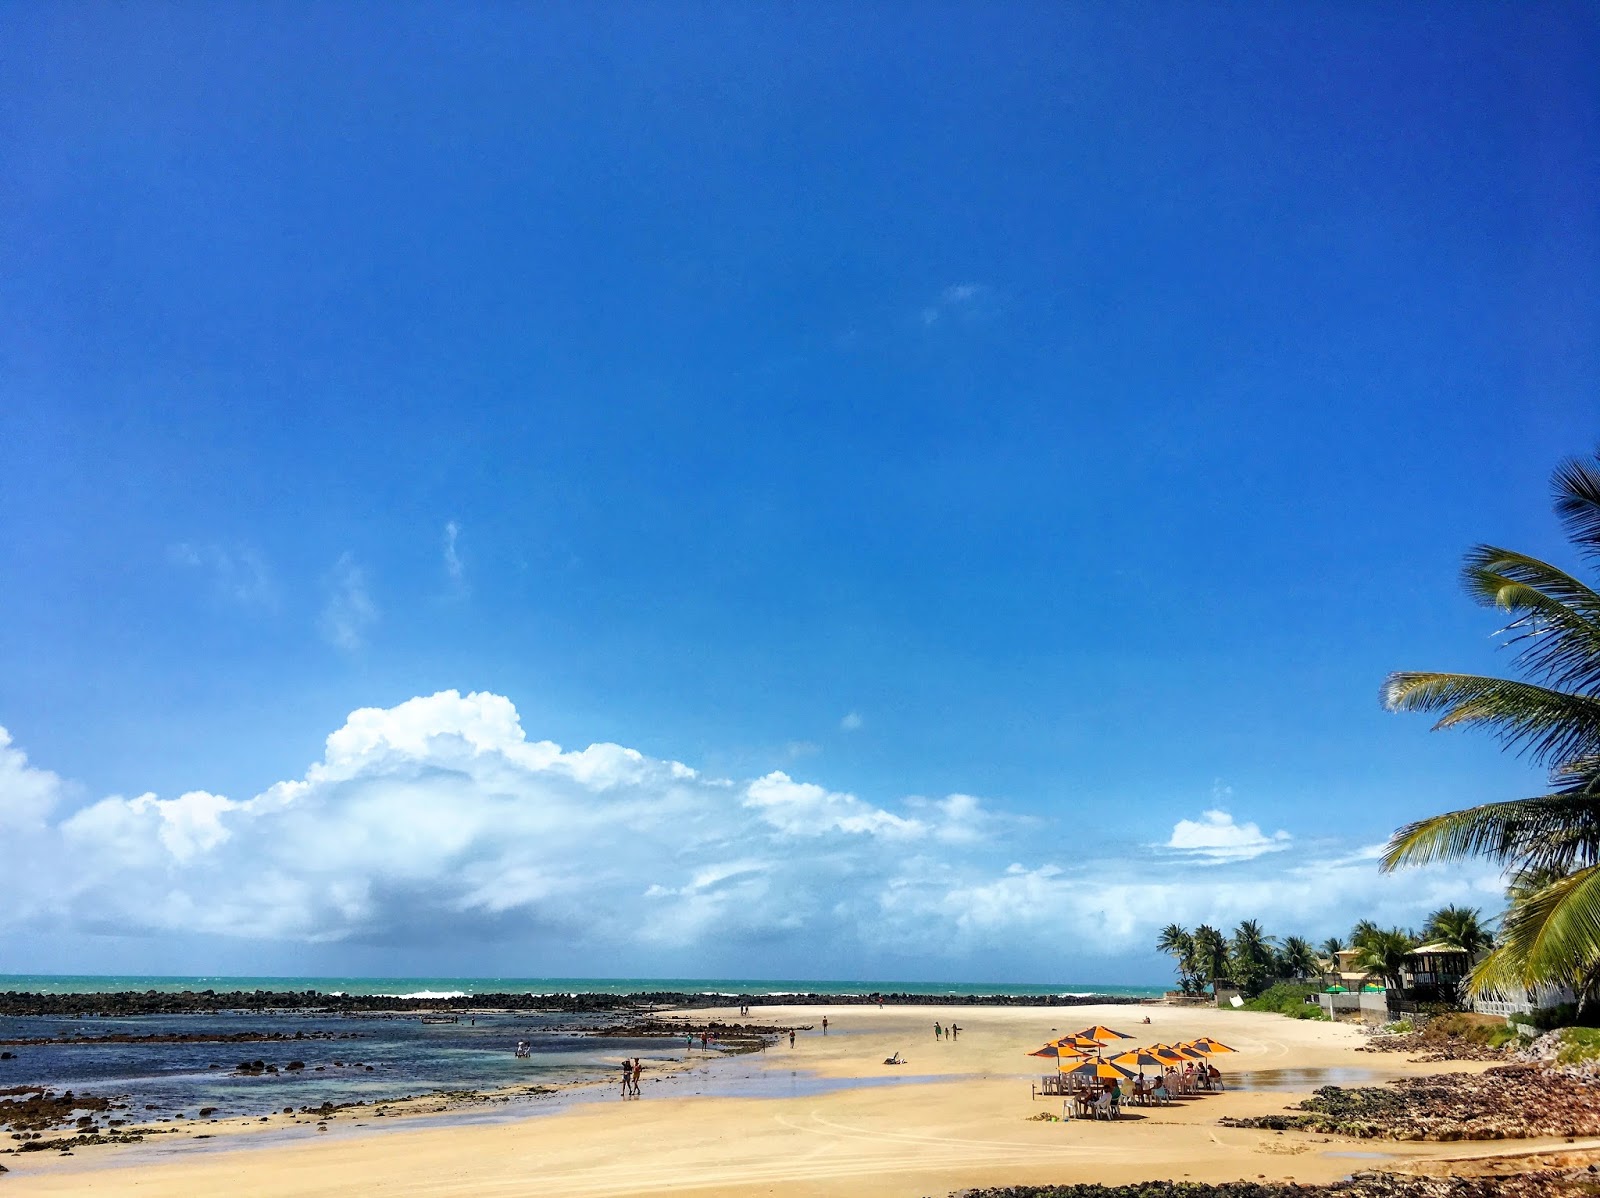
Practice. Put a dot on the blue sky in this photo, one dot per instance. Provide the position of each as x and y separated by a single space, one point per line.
1077 410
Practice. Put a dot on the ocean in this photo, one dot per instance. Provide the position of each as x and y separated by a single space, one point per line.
452 987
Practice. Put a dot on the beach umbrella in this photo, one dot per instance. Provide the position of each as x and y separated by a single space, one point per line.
1103 1035
1139 1058
1213 1046
1194 1046
1081 1043
1105 1070
1172 1055
1062 1052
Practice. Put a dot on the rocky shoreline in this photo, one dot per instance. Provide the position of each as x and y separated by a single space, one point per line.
1565 1183
180 1038
153 1002
1504 1102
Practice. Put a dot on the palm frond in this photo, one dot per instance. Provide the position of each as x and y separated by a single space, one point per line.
1551 726
1557 629
1552 832
1549 937
1577 487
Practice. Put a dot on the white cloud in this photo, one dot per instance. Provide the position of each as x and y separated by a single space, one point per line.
239 575
1214 837
438 822
349 611
453 565
852 722
968 302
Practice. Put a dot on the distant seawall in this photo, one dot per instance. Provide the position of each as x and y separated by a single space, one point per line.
153 1002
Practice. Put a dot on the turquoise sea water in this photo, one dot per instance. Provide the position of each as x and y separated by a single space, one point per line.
450 986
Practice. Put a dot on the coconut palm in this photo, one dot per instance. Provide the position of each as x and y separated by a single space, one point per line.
1211 954
1250 956
1384 954
1298 957
1331 948
1459 927
1363 932
1551 932
1176 942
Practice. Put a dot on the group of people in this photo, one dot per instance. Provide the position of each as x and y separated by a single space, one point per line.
524 1049
631 1071
939 1033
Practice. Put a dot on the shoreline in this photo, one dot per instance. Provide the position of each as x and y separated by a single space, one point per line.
832 1121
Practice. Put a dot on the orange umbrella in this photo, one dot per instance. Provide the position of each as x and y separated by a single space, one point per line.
1102 1035
1062 1052
1210 1045
1194 1046
1105 1070
1167 1055
1083 1043
1140 1058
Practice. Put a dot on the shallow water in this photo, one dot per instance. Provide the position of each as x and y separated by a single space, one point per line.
1302 1079
388 1058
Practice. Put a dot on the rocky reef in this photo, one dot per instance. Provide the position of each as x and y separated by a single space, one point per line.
1502 1103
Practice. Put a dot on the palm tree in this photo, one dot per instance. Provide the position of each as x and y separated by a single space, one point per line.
1331 948
1250 956
1551 932
1459 927
1176 942
1299 958
1211 954
1384 954
1363 932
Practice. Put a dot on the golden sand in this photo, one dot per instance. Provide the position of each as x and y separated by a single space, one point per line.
970 1126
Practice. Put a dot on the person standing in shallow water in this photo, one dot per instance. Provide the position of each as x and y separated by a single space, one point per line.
824 1025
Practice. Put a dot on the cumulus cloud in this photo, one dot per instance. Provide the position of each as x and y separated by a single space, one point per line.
439 821
349 611
1214 837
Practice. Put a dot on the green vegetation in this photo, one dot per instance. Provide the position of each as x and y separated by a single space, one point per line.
1293 999
1578 1044
1549 843
1487 1030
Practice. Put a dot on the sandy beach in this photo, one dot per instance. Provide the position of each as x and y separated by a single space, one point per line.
956 1115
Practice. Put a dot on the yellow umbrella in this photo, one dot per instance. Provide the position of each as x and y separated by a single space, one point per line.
1102 1035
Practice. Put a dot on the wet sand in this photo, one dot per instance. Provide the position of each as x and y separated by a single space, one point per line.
956 1115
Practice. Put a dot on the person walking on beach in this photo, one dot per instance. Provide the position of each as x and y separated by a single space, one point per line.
791 1037
638 1069
955 1029
627 1076
938 1032
824 1025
